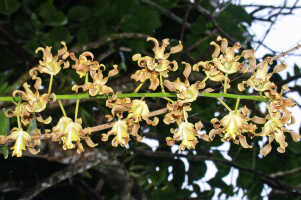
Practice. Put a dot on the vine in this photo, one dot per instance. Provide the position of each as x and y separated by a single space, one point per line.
238 125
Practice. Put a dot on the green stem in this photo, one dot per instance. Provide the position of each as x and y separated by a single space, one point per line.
138 87
151 95
62 108
50 84
18 116
76 109
237 103
225 83
86 78
161 83
224 104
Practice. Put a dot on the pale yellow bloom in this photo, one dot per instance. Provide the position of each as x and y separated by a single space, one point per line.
157 66
138 110
21 138
70 134
120 130
51 64
232 126
186 133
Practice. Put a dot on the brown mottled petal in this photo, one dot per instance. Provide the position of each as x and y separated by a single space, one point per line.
52 97
198 125
214 132
72 56
155 41
285 88
168 119
249 53
80 148
224 43
106 90
154 82
88 54
280 138
290 102
245 111
205 137
93 92
175 66
20 93
89 142
63 50
177 48
243 142
281 150
114 71
37 83
33 150
104 137
170 141
187 70
217 49
76 87
243 68
258 120
214 121
295 136
139 138
279 68
196 67
34 72
266 149
9 113
241 86
44 121
136 57
155 121
141 75
3 139
208 90
286 116
170 85
293 120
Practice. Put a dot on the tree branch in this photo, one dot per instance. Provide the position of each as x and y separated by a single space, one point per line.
272 182
91 159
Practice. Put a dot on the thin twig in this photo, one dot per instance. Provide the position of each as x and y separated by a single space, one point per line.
284 173
270 27
166 12
109 38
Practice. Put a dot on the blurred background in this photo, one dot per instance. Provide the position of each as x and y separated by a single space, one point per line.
114 31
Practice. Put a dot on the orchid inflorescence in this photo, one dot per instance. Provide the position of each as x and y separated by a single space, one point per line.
238 125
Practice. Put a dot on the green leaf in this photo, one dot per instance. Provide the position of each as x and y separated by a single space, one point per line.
144 20
4 129
296 69
178 173
51 15
231 19
168 4
58 34
79 13
8 7
196 171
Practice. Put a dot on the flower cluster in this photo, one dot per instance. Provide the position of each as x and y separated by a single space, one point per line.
127 115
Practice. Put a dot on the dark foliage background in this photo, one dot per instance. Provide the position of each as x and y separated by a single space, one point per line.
114 30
